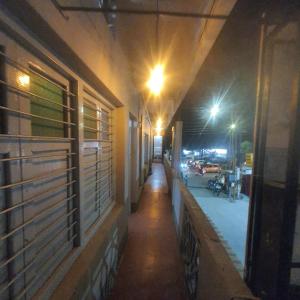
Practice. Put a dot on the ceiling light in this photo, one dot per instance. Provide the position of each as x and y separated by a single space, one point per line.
156 81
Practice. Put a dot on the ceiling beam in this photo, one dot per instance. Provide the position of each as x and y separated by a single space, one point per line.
141 12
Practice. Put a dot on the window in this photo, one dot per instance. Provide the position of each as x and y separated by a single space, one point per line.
90 120
47 106
98 160
146 148
37 178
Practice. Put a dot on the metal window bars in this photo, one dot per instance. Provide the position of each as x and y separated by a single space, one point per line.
98 161
38 222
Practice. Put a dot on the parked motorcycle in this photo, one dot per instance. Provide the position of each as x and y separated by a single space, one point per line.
211 183
216 185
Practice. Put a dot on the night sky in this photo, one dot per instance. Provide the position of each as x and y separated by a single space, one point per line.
228 75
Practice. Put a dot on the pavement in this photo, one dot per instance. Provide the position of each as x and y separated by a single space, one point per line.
228 218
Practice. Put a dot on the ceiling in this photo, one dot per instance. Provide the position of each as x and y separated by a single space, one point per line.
180 43
228 77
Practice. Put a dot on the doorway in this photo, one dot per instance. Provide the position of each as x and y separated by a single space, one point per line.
132 165
157 148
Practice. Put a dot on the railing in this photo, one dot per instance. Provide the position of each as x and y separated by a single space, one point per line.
209 271
189 248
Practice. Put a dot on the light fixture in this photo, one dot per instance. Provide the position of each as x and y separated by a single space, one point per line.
158 127
158 123
214 110
156 81
232 126
23 80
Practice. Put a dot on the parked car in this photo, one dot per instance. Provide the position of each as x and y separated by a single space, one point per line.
212 168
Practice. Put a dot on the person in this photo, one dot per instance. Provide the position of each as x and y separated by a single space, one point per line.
222 179
185 179
232 191
201 170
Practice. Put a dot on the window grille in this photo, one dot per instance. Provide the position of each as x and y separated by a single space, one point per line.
98 159
53 109
37 177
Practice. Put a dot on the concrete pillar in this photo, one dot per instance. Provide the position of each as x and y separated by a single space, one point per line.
177 143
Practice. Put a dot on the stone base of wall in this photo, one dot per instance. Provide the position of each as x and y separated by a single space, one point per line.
135 205
92 274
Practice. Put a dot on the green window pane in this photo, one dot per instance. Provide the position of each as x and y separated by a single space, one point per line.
43 88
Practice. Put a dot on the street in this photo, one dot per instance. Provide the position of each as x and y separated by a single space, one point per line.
229 218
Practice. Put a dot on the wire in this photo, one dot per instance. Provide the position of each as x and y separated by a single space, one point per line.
157 26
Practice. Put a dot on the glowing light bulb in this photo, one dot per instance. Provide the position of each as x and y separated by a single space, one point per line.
214 110
158 123
156 81
23 80
232 126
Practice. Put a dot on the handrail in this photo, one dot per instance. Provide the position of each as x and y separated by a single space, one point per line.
206 258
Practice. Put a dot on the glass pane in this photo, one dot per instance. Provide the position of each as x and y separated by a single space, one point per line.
90 121
48 109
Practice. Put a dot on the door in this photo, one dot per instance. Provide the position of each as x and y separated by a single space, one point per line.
133 165
273 256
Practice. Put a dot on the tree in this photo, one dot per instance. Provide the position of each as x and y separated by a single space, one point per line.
246 147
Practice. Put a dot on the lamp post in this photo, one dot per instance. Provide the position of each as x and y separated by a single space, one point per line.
233 144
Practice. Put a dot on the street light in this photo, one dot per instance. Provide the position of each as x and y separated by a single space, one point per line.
232 126
214 110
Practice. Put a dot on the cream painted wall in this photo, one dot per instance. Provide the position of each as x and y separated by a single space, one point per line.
89 37
146 125
110 66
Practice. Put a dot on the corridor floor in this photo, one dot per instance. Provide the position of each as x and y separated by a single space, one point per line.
151 266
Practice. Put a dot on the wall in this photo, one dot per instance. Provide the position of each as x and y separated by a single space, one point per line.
104 60
98 262
146 129
95 45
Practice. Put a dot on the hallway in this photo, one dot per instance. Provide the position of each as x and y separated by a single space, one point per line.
151 265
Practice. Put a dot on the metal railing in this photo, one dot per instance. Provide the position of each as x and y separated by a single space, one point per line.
189 247
208 270
38 224
98 162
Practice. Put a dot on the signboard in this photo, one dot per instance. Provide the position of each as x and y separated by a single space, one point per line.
249 159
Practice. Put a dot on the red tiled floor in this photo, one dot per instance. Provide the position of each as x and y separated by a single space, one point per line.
151 267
